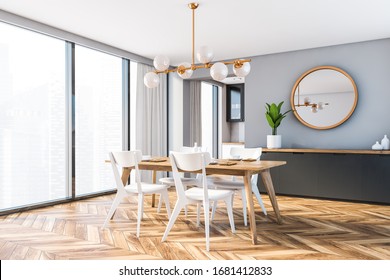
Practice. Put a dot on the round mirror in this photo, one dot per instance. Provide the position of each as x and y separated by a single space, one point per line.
324 97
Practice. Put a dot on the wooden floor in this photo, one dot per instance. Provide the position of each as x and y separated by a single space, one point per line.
311 229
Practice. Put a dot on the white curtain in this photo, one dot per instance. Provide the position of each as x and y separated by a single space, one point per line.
195 113
151 115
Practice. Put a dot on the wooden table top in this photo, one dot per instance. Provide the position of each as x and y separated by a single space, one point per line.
239 168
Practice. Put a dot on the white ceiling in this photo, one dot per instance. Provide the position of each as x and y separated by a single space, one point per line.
232 28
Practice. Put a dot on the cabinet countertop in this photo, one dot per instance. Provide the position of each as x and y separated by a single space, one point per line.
328 151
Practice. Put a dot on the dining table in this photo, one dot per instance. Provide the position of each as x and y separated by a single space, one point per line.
225 167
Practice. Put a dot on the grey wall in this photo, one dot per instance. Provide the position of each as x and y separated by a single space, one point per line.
273 76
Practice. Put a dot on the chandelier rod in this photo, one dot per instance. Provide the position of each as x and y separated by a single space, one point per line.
193 6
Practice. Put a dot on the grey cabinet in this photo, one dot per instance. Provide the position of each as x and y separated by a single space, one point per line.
357 177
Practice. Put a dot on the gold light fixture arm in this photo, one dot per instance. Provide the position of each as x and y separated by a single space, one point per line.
206 65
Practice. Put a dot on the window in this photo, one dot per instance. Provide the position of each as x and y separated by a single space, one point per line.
98 116
37 112
33 151
210 104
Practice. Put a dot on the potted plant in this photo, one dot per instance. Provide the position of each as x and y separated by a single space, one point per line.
274 118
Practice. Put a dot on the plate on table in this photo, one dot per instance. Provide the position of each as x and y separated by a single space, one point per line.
227 163
234 159
249 159
157 159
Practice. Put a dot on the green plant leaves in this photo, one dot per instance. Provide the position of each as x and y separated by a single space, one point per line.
273 115
274 112
270 120
280 106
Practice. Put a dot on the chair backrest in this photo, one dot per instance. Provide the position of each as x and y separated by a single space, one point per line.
189 162
185 149
246 153
125 159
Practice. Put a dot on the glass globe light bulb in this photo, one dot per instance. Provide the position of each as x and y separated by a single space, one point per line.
314 109
219 71
161 62
187 73
320 105
205 54
243 70
306 101
151 80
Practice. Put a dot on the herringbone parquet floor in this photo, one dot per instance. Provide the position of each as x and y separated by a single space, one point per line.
311 229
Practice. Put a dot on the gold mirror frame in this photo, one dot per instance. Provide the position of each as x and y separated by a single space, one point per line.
304 75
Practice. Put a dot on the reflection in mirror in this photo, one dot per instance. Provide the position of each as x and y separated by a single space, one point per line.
324 97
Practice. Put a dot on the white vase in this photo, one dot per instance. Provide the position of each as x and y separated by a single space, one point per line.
377 146
274 141
385 143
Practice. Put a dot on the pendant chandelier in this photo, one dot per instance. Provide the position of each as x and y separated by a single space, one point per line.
218 70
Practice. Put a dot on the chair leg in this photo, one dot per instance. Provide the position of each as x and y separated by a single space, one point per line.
159 203
117 200
176 211
255 190
198 214
229 207
244 205
206 210
185 207
215 204
140 211
164 195
142 207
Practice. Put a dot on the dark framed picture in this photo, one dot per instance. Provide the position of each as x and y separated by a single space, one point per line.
235 103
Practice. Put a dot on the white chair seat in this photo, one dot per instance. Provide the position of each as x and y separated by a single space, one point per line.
186 181
169 182
197 194
146 188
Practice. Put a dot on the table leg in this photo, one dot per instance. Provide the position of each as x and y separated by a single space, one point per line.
154 177
125 175
267 180
250 206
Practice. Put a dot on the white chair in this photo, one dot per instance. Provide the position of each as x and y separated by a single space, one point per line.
189 162
238 185
131 159
187 182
